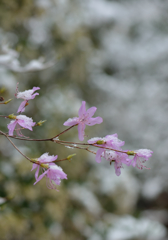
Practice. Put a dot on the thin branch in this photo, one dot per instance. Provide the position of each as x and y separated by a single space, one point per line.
87 149
72 142
63 131
64 142
88 144
39 140
16 147
61 160
29 139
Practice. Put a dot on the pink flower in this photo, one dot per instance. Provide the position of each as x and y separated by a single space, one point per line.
85 118
118 158
141 156
110 141
23 121
54 173
26 95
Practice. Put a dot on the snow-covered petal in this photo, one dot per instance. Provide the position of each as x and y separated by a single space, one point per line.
45 158
26 96
71 122
141 156
23 121
94 140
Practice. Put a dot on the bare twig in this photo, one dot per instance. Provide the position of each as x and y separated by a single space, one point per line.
64 131
16 147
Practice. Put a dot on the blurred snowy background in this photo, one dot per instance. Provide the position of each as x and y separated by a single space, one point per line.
113 55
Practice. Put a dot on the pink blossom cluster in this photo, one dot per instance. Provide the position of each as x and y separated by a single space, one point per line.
54 173
22 120
109 147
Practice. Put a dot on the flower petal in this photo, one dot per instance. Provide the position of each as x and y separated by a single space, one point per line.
81 129
98 155
11 127
93 121
35 88
82 110
25 122
22 106
94 140
34 166
45 158
134 160
19 133
117 167
71 122
37 172
27 94
33 96
41 176
56 173
91 111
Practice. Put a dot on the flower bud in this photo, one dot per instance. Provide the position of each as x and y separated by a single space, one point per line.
6 102
44 165
12 116
41 122
71 156
131 153
35 160
100 142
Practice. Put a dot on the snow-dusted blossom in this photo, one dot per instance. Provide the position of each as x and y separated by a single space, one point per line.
118 158
141 156
110 141
23 121
53 173
26 96
85 118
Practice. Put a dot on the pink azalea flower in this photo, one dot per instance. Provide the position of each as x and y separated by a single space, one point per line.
85 118
118 158
110 141
23 121
54 173
26 95
141 156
